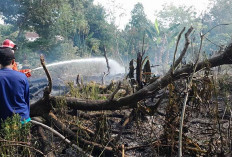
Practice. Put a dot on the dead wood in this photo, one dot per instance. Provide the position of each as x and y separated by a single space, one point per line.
128 119
109 87
123 150
99 114
115 92
139 70
187 42
131 100
76 128
48 89
23 145
137 147
40 108
122 132
107 65
147 71
43 107
45 143
78 80
61 127
59 135
107 61
177 44
131 69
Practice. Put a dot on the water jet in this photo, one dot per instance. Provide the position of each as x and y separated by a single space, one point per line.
89 69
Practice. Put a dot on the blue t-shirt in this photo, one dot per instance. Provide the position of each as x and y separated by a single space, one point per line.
14 94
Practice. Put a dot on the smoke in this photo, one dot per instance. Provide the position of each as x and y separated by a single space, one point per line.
84 67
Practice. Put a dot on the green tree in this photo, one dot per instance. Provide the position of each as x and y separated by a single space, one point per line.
136 30
172 19
31 15
101 33
219 14
171 15
81 24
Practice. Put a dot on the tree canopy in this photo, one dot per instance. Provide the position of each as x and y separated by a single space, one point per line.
86 32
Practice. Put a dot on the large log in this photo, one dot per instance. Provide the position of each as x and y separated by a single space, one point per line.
131 100
44 106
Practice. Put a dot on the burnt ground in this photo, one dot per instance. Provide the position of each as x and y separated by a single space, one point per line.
207 126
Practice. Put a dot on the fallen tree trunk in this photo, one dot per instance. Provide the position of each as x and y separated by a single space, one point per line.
44 106
147 91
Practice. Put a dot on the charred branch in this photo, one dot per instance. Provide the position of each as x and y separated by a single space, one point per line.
107 61
139 70
49 88
187 42
131 100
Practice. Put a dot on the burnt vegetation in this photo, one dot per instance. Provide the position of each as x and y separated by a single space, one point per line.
185 112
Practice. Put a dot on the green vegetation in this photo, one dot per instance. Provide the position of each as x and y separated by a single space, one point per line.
14 137
84 30
70 29
87 91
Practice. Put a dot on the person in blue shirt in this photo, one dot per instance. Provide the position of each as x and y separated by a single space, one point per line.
14 89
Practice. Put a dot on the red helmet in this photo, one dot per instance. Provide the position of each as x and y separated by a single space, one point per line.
10 44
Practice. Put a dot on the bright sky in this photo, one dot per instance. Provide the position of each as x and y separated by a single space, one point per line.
150 6
124 7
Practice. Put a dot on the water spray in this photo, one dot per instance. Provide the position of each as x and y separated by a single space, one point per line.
115 66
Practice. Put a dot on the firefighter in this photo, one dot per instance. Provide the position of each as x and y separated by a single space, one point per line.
10 44
14 89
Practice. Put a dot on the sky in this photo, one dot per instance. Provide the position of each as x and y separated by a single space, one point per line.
124 7
121 9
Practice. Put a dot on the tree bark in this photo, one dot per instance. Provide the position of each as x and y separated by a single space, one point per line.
147 91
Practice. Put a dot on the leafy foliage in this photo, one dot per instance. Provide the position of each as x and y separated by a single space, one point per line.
85 31
12 134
